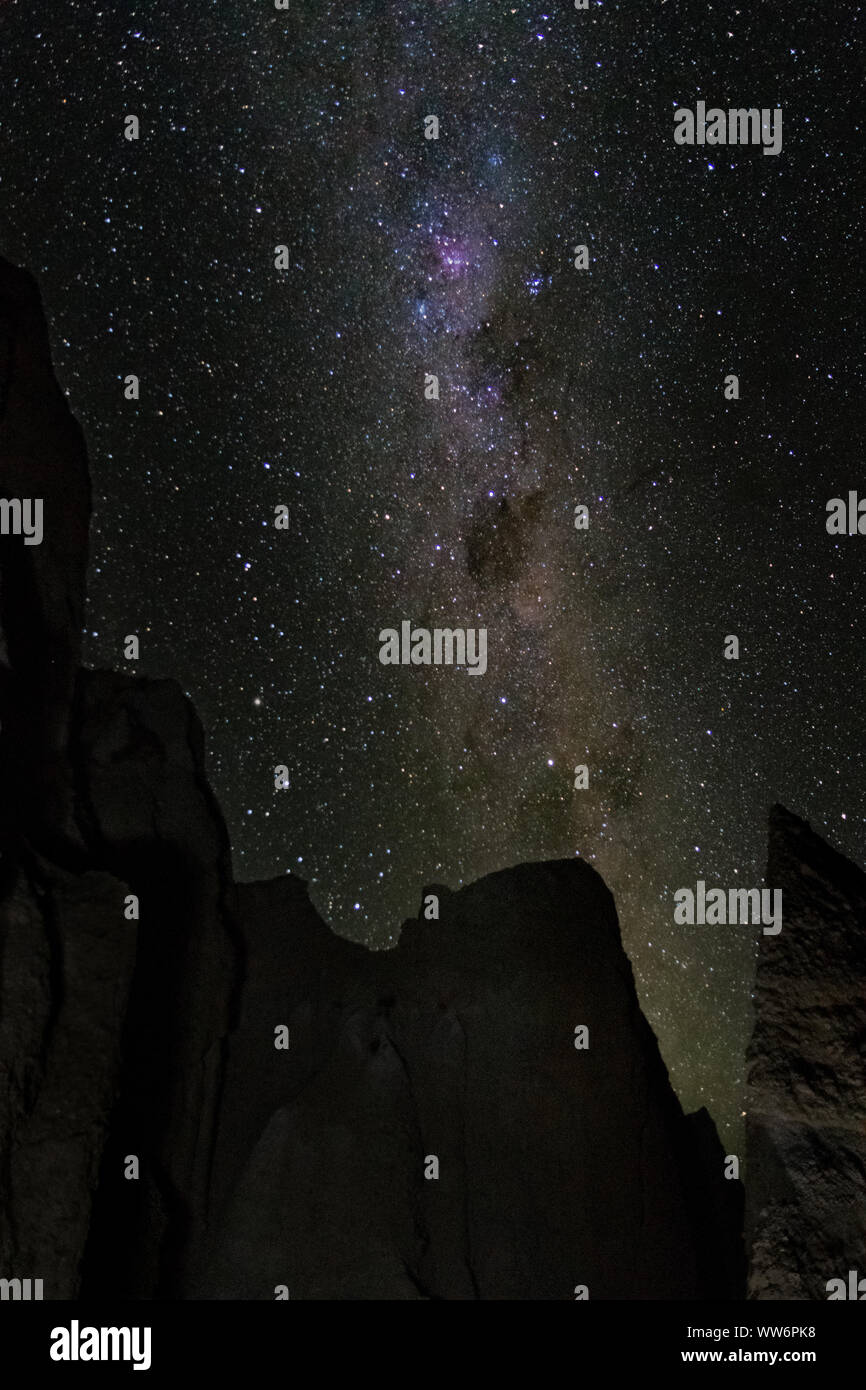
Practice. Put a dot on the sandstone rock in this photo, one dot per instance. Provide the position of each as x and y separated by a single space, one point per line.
312 1166
66 961
806 1096
42 455
146 813
557 1167
102 793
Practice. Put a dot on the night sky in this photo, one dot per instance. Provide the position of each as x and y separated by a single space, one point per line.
558 387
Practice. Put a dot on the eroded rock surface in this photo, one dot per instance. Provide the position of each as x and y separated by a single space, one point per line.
806 1096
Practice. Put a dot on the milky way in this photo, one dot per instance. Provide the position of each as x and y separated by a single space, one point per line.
557 387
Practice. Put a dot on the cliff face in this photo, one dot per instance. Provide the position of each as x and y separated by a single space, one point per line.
806 1098
147 815
113 1015
65 973
554 1166
65 965
431 1130
42 455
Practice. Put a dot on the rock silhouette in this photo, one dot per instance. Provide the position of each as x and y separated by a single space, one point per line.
311 1166
558 1166
806 1096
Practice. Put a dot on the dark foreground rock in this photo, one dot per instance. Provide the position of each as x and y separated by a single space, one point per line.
431 1131
113 1017
42 455
557 1167
806 1096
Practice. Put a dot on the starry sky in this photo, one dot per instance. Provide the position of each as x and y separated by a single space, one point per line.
305 387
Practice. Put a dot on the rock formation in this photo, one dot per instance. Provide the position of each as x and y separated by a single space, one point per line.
806 1096
112 1030
557 1166
431 1131
42 455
